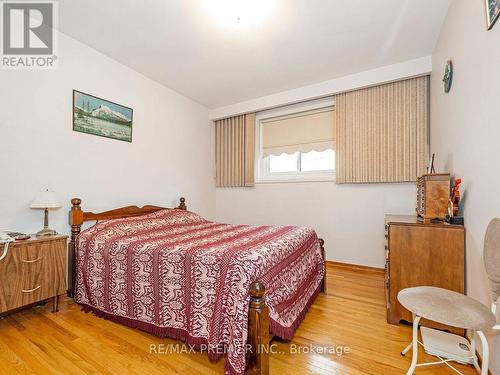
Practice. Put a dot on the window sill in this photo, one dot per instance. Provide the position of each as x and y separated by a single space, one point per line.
294 180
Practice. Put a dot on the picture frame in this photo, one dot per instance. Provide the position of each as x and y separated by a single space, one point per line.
104 118
492 12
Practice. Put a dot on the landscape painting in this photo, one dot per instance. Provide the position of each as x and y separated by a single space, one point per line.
492 12
93 115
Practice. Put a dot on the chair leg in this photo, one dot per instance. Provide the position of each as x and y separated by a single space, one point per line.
407 349
486 353
414 345
473 351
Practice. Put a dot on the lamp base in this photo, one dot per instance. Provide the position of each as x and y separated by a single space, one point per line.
46 232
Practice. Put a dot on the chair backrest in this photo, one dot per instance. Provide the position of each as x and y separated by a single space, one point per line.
491 256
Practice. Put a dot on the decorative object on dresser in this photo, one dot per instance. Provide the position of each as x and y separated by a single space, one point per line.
454 210
422 254
32 271
433 195
430 167
45 200
455 197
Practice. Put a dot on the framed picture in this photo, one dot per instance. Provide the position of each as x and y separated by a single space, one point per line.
93 115
492 12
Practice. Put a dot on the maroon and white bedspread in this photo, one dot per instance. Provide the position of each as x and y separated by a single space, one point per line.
175 274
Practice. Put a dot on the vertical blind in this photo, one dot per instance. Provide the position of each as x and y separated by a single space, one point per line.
382 132
235 149
300 132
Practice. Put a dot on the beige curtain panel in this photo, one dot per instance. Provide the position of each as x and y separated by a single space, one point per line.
382 132
303 132
235 149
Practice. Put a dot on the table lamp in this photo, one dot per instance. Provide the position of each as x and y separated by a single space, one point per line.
46 199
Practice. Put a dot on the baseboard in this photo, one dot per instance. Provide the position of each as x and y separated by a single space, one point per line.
355 267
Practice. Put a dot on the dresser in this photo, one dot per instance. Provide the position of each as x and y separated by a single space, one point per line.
421 254
33 270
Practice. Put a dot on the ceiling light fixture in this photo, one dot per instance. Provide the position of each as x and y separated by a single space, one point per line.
238 13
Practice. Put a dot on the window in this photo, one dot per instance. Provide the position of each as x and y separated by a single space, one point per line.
296 145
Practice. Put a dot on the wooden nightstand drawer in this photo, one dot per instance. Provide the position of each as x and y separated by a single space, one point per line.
32 271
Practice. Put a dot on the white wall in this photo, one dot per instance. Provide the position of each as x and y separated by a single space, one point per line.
171 153
350 218
465 129
384 74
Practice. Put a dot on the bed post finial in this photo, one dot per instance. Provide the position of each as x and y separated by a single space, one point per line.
182 204
258 331
76 221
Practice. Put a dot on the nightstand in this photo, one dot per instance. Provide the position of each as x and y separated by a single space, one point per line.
34 270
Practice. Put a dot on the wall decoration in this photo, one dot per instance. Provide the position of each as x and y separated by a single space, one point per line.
492 12
448 76
93 115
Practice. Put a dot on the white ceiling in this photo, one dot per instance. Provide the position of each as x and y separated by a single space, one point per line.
181 44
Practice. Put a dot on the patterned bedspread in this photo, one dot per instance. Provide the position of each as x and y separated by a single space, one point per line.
175 274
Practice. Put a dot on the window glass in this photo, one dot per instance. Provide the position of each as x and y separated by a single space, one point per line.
283 163
317 161
283 135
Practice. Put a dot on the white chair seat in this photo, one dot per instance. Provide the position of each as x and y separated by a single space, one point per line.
447 307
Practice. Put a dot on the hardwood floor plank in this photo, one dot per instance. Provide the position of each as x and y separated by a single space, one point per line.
11 362
351 315
32 354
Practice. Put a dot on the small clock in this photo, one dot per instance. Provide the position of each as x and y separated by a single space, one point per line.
448 76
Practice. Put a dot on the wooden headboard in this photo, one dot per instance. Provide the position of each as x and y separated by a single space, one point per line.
77 217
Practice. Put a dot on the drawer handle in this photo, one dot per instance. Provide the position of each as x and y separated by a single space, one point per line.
31 290
32 261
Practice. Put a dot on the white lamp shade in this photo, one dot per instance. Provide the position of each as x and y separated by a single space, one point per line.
45 199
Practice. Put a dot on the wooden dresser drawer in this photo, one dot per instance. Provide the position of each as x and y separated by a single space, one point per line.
32 271
422 254
14 278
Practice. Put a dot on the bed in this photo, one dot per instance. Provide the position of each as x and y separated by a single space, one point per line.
222 288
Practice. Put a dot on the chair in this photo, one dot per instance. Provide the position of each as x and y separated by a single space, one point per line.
455 309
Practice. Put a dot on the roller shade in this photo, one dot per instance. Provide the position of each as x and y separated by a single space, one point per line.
301 132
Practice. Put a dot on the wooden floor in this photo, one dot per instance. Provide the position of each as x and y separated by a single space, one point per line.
352 315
